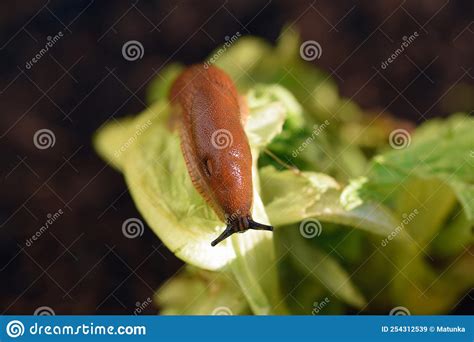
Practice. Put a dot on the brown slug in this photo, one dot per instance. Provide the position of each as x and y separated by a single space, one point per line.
209 116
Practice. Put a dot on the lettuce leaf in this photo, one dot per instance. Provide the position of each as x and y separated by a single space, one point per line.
291 197
441 149
197 292
323 268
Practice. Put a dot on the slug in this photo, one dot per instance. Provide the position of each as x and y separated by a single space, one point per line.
209 115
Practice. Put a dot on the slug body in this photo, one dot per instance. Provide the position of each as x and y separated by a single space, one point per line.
208 114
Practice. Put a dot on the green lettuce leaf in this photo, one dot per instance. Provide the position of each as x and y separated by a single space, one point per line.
290 197
440 149
454 238
323 268
197 292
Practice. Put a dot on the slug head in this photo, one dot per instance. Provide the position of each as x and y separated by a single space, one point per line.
240 225
228 174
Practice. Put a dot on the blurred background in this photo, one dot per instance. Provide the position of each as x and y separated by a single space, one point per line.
82 263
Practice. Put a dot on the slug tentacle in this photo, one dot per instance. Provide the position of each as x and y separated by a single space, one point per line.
225 234
259 226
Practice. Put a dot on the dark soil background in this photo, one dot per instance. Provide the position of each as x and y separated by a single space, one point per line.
83 264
